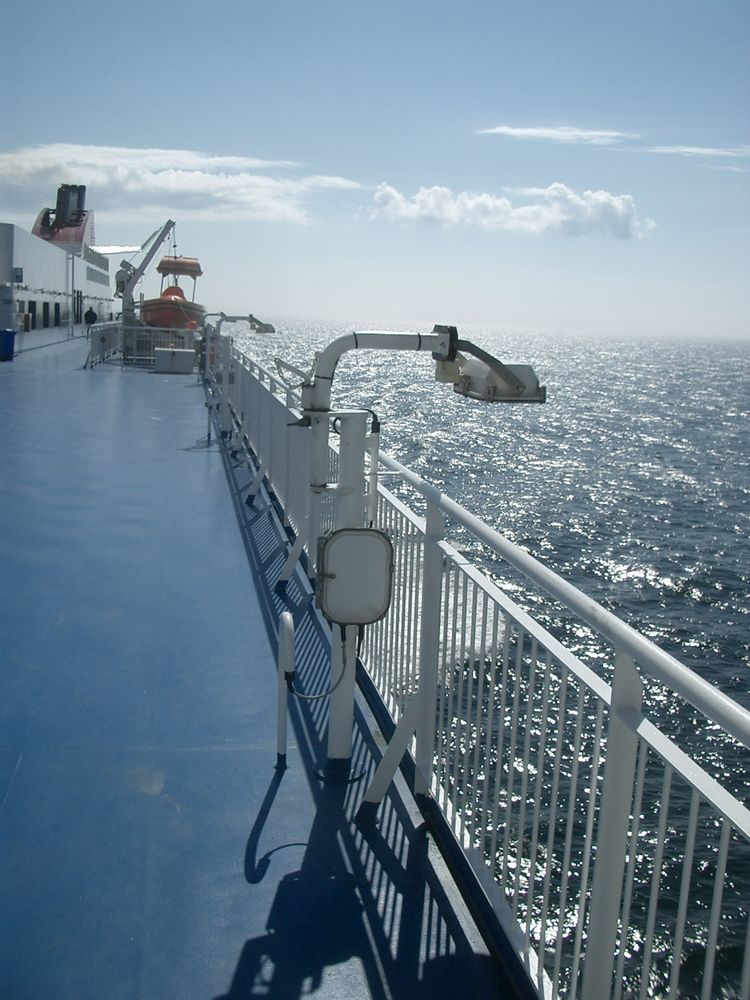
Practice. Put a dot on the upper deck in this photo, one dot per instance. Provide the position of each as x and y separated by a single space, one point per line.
149 846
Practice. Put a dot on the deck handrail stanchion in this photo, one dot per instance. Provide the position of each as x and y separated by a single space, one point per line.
429 647
350 502
318 478
611 842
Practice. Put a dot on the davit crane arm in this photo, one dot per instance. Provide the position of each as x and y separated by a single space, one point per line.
128 276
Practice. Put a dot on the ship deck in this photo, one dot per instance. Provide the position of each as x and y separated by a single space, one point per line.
149 847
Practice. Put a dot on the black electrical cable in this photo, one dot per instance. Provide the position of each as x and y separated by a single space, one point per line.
332 688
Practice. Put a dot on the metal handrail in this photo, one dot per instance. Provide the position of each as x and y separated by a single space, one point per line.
694 689
698 692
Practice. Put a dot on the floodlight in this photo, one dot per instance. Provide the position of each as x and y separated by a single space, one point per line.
510 384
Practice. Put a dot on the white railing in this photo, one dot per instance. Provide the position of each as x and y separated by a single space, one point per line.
616 860
106 343
140 342
135 344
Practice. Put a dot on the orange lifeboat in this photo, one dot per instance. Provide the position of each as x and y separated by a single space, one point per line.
172 309
189 266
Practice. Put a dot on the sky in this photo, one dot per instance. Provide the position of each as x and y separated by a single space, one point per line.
581 167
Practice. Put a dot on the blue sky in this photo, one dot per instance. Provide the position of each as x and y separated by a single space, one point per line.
563 166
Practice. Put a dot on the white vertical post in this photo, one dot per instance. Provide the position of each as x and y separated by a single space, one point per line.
318 478
210 351
612 836
373 447
349 514
285 666
71 313
210 401
429 647
225 408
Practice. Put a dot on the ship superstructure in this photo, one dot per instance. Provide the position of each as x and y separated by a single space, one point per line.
51 276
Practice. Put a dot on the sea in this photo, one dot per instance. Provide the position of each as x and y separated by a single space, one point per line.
632 482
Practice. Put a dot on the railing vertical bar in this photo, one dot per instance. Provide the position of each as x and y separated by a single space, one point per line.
554 794
655 881
568 837
401 604
379 643
483 735
500 749
713 930
460 741
491 682
451 719
745 985
682 906
612 832
630 872
409 633
392 699
469 724
587 847
512 757
444 708
407 659
417 557
538 796
523 797
397 618
428 587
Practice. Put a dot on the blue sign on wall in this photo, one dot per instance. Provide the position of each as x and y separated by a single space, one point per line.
18 275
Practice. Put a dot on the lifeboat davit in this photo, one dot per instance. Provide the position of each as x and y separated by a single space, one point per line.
172 309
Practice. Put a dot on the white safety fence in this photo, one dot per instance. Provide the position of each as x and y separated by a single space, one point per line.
617 862
135 345
140 342
106 343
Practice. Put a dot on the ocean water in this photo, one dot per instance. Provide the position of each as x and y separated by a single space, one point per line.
632 482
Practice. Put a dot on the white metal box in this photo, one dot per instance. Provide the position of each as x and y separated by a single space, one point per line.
173 360
355 571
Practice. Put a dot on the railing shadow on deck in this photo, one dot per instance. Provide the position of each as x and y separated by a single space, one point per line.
368 897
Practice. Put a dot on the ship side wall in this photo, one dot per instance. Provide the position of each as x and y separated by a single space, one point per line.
35 282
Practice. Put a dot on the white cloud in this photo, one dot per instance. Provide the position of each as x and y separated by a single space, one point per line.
555 209
568 134
137 183
730 152
561 134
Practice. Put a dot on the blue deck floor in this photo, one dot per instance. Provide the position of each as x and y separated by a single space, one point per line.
148 848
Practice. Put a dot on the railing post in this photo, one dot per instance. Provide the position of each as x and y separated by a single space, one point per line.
285 666
429 647
419 712
349 514
318 480
612 836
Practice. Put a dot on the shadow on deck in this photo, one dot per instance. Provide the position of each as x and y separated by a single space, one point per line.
371 894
